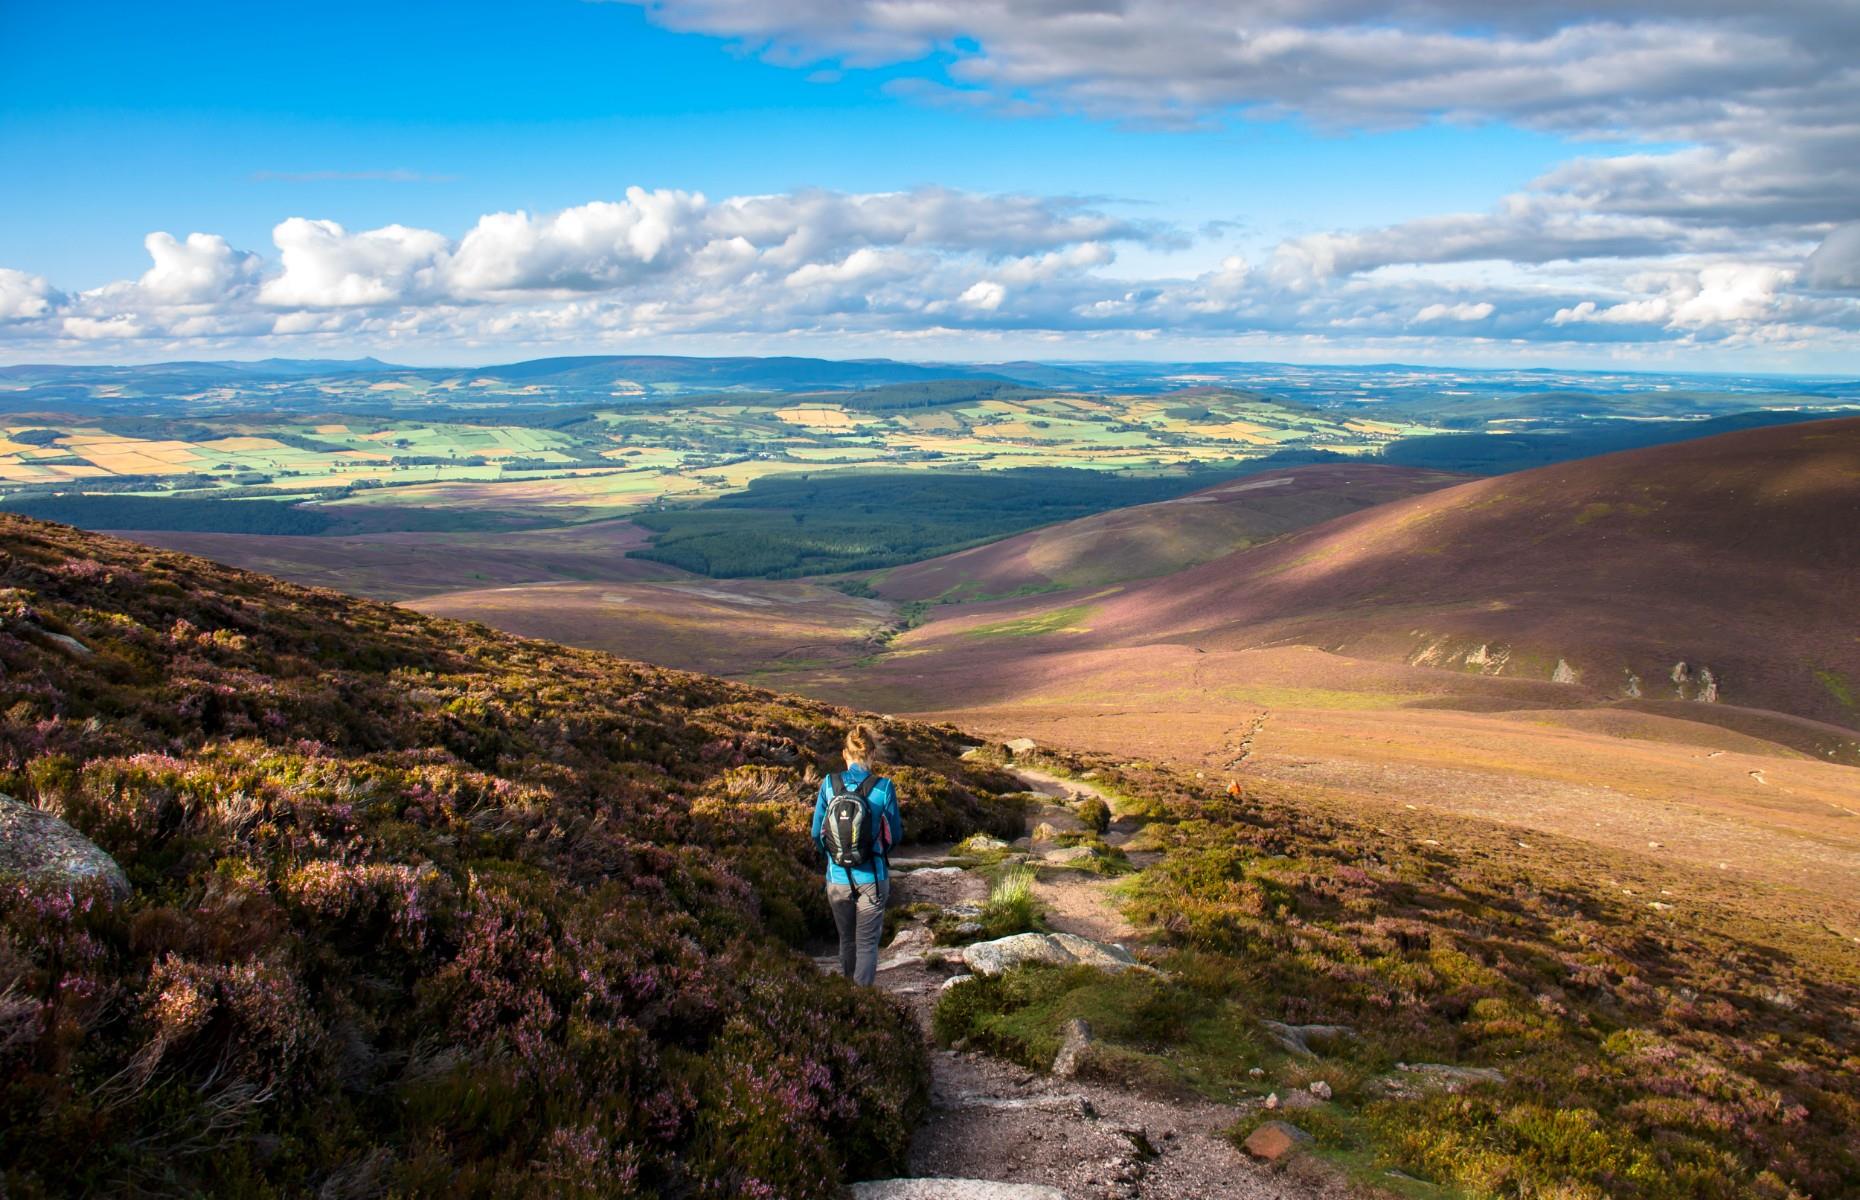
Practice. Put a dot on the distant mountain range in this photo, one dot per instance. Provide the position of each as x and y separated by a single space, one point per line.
1460 390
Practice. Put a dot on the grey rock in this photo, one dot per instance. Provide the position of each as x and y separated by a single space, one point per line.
1073 1044
1020 746
952 1189
68 644
979 843
1069 854
1446 1073
39 847
1048 1103
968 928
953 981
1058 949
1297 1039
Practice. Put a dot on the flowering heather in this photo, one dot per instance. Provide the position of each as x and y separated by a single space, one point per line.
1701 1049
421 909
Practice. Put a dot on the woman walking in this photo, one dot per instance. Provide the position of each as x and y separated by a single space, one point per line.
856 823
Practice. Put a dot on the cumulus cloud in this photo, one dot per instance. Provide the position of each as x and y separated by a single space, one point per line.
25 297
1756 205
930 262
199 270
326 266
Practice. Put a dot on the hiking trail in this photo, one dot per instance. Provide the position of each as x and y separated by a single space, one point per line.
998 1131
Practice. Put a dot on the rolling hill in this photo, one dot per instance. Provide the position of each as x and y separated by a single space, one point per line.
1721 569
1147 540
417 908
1507 648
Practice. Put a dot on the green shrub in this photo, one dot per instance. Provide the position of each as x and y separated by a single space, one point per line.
1095 814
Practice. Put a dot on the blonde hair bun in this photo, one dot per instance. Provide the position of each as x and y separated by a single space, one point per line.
864 744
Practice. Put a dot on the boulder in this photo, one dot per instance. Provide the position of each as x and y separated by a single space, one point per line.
1058 949
38 847
1068 854
951 1189
980 843
1275 1141
1043 832
1072 1047
1020 746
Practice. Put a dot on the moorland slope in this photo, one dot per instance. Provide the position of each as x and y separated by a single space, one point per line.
1145 540
418 908
1715 571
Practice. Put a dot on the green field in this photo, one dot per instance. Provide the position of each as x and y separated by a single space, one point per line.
562 464
735 482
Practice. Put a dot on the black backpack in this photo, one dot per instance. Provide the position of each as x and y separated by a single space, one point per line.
847 830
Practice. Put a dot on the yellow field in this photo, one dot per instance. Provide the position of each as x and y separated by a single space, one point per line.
818 417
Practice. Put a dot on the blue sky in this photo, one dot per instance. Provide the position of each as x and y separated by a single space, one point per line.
969 184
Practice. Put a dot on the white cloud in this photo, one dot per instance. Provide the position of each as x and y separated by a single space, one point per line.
929 263
586 248
25 297
1463 311
200 270
325 266
984 294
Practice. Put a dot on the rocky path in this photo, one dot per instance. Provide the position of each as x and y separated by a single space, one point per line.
997 1131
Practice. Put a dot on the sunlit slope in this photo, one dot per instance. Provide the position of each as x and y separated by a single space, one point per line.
1147 540
1724 569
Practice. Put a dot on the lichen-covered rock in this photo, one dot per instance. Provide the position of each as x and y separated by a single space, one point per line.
39 847
1057 949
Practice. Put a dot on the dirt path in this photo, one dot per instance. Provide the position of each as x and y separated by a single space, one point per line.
992 1120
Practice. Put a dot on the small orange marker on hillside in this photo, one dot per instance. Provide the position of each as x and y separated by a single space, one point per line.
1234 789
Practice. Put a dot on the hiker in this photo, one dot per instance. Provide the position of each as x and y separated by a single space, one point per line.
856 824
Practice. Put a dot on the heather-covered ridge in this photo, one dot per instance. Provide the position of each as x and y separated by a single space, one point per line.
420 908
1654 1042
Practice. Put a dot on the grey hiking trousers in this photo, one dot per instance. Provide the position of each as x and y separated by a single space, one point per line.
861 921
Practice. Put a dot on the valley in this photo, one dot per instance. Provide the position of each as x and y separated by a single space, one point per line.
1542 777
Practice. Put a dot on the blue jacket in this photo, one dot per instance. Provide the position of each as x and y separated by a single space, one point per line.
889 827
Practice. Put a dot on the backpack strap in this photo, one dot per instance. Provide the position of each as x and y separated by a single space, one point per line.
866 787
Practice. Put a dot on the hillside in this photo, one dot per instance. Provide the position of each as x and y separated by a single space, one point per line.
1145 540
419 908
1721 569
